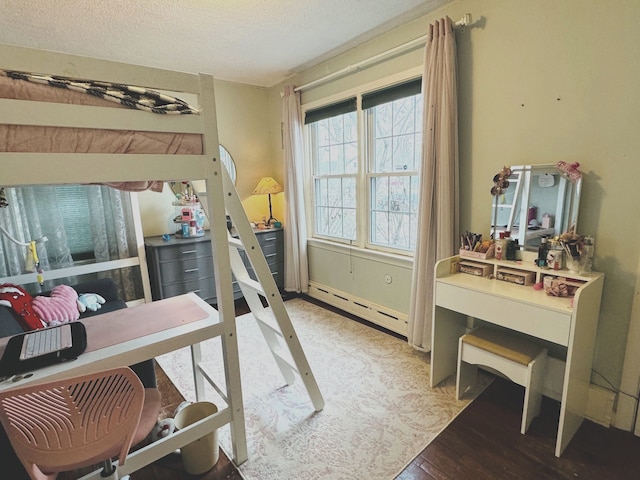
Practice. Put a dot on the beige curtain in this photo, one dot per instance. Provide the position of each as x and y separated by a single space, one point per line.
296 277
438 211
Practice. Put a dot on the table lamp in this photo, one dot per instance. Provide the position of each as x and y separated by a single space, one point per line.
268 186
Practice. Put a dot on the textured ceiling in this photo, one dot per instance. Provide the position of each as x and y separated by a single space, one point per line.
259 42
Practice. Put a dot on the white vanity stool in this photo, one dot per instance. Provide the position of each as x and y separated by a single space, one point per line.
520 360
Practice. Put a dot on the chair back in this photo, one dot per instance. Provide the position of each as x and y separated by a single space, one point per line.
67 424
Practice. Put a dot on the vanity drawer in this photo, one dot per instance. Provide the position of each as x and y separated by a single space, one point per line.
185 270
530 319
184 251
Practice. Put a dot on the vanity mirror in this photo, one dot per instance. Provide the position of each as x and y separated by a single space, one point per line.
540 200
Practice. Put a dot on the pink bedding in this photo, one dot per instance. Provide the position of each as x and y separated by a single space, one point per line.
24 138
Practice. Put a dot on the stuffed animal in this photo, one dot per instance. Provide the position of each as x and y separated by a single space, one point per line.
90 301
20 301
167 426
163 428
58 308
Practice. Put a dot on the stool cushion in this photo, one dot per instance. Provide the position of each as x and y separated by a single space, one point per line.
503 344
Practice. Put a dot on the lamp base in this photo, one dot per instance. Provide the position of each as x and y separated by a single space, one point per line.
270 221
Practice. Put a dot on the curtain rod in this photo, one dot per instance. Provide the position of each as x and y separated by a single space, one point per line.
463 22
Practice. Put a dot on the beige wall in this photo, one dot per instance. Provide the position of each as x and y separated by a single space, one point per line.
540 81
244 129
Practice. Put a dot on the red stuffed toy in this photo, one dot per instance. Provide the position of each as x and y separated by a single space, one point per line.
20 301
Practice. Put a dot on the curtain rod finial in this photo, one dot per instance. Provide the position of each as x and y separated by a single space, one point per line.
464 21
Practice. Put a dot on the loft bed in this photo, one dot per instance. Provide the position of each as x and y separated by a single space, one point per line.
191 154
46 132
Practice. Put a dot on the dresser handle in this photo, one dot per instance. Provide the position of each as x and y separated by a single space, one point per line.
195 291
189 251
270 239
270 255
191 270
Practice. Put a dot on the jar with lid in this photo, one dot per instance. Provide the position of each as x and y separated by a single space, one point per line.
555 255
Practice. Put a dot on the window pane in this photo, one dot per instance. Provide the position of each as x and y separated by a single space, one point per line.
383 155
403 116
403 153
350 128
351 158
394 211
322 130
383 120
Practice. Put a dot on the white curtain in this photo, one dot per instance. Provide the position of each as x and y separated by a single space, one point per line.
35 212
296 278
438 211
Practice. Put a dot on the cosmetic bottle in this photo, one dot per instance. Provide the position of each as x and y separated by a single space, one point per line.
542 253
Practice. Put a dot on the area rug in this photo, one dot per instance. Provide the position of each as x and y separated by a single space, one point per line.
379 409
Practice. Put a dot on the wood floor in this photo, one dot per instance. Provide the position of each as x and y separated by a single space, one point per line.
484 442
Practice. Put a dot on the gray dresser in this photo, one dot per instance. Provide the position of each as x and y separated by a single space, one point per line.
183 265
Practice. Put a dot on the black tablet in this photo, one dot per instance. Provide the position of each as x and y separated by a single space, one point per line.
15 361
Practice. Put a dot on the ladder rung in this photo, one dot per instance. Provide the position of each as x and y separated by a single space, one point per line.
268 322
236 243
286 360
253 285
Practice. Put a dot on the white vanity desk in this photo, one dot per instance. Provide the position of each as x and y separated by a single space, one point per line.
458 296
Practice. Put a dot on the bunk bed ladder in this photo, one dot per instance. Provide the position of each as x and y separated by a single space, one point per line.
277 329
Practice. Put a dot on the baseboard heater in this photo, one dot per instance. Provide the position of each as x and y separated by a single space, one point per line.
365 309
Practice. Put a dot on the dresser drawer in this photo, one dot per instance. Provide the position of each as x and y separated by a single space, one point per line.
273 253
186 270
205 288
184 251
270 237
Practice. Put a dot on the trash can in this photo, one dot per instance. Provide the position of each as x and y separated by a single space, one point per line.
201 455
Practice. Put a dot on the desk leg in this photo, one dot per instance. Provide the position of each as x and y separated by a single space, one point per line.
198 378
448 327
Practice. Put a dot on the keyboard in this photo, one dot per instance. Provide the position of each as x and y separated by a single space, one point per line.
47 340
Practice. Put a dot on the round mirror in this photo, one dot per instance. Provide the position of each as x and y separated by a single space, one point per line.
228 162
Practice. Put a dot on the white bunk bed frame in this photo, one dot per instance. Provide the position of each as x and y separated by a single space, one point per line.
63 168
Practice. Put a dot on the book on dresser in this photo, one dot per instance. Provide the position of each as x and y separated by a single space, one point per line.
182 265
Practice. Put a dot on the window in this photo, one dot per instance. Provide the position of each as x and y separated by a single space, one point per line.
334 140
73 205
387 177
394 134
